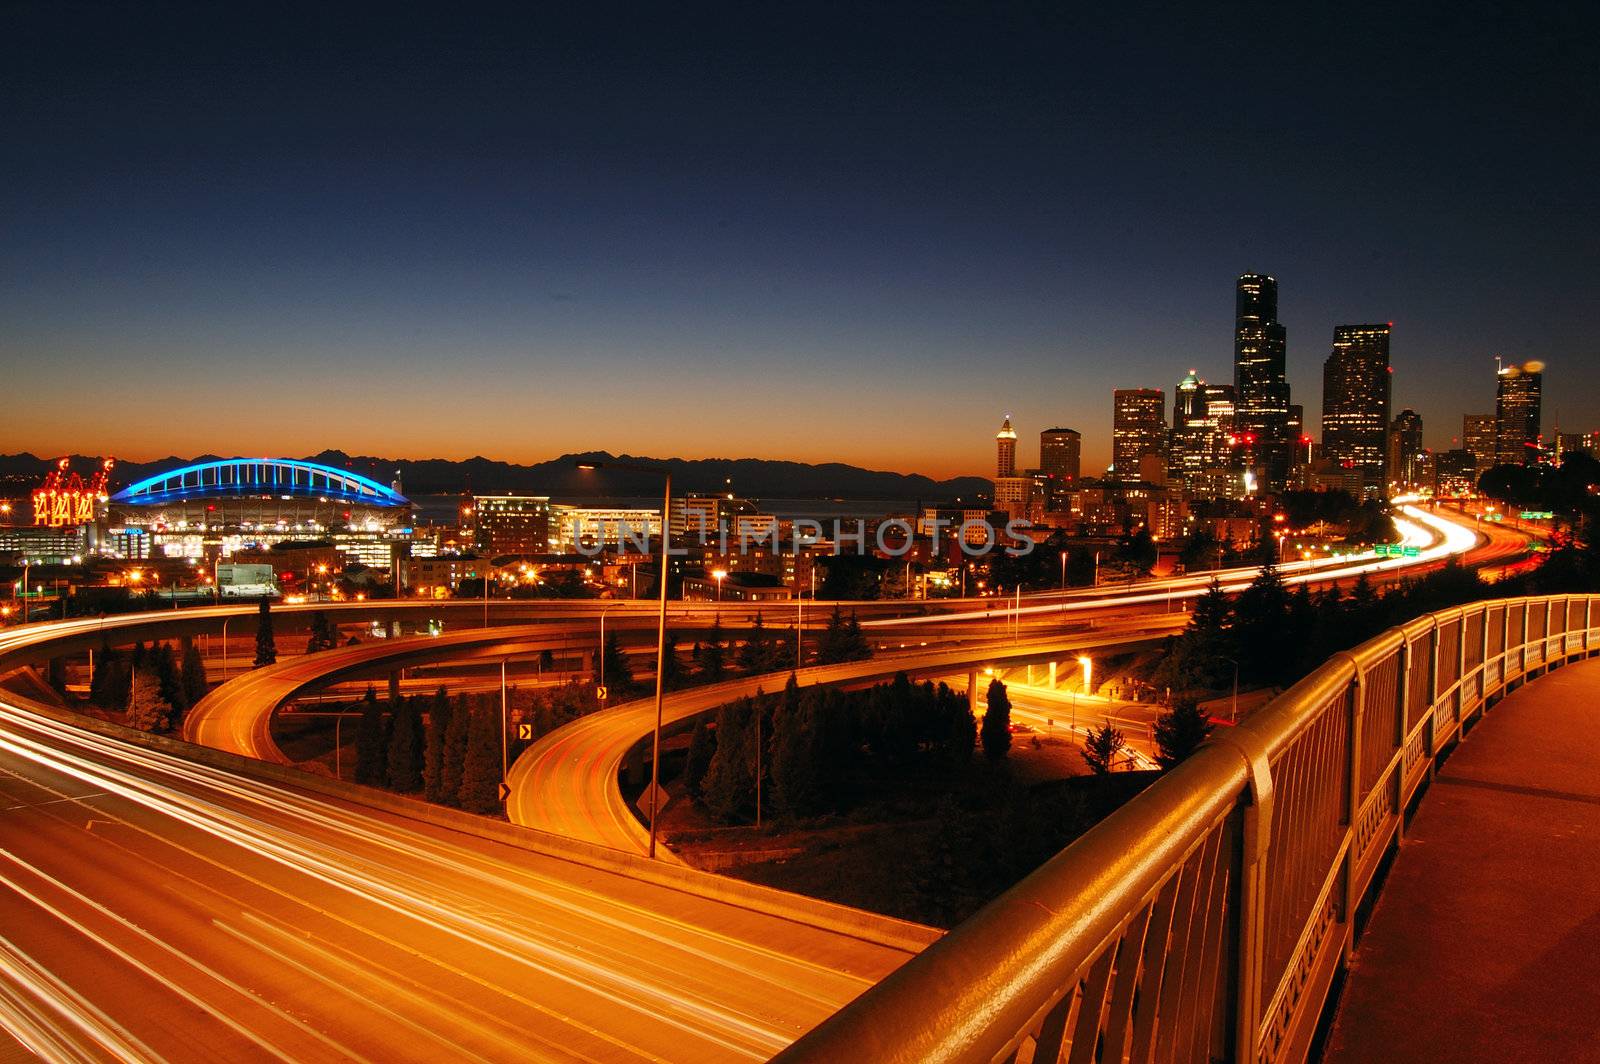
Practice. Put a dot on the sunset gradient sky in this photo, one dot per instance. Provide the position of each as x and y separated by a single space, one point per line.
766 232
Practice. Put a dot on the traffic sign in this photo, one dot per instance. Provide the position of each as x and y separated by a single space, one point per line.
1396 550
600 692
524 731
505 790
662 798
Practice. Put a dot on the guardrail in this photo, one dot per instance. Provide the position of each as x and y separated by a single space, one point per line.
1206 919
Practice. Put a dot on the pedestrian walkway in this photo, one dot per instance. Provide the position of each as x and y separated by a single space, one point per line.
1484 944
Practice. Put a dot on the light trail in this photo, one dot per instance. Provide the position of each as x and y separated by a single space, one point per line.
156 904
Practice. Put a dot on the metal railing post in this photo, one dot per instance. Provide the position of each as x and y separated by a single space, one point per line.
1255 838
1353 797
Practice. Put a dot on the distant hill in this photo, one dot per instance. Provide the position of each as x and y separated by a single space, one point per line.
748 477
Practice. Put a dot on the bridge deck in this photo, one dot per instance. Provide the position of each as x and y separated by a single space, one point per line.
1485 942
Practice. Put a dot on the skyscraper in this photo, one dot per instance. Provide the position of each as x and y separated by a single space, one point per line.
1138 428
1355 402
1060 453
1006 450
1516 413
1060 460
1260 383
1478 438
1405 449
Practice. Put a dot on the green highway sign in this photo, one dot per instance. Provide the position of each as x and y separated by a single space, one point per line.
1537 515
1396 550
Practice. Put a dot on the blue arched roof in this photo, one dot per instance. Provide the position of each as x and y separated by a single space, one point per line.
233 477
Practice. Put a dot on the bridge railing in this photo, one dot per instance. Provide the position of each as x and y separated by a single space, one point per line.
1206 919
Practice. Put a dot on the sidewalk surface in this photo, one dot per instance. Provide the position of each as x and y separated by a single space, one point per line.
1484 945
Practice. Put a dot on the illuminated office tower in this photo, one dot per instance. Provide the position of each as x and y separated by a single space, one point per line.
1138 428
1006 450
1516 413
1355 402
1478 439
1260 383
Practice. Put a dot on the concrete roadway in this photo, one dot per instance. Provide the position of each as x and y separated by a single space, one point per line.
155 907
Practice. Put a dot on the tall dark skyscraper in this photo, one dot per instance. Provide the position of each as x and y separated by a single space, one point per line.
1138 428
1060 453
1355 402
1516 413
1405 449
1260 383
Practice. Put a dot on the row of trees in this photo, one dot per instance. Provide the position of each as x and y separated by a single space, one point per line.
448 748
1273 635
809 749
154 685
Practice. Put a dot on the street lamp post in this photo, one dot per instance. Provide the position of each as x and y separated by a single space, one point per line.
1063 569
719 575
1233 711
661 629
603 611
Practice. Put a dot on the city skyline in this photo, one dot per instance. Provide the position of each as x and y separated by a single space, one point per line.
593 238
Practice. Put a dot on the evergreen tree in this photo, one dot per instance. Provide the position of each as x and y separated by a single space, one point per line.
168 682
617 671
711 653
797 782
433 762
138 660
1180 731
672 672
963 733
830 645
1200 658
324 634
1261 628
1101 748
997 722
103 682
454 761
372 742
756 656
856 647
729 787
405 753
702 745
147 710
266 647
480 775
192 673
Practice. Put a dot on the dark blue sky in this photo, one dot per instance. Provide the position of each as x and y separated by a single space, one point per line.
803 231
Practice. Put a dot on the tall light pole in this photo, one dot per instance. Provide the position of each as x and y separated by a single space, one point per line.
661 629
719 575
1063 568
603 611
1233 712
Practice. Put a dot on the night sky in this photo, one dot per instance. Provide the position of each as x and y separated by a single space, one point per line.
785 231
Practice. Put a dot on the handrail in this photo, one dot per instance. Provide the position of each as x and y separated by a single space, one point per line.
1206 919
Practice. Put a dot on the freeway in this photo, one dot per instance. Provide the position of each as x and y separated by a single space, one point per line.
567 782
154 906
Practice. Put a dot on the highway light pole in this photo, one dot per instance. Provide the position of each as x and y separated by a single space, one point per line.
603 612
661 628
1233 712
